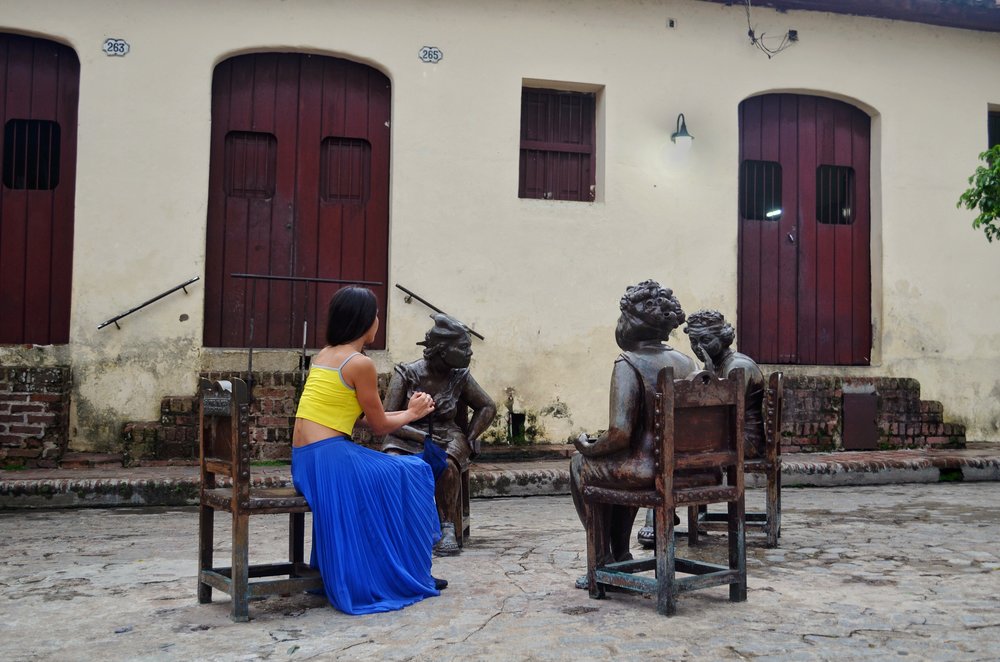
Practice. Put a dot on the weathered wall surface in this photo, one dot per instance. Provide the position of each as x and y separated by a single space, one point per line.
540 279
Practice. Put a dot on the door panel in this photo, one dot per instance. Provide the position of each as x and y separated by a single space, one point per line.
321 210
805 284
39 91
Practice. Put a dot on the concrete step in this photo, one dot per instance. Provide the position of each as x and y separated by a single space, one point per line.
90 460
105 484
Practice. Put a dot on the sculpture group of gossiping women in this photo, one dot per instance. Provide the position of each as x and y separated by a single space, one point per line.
377 516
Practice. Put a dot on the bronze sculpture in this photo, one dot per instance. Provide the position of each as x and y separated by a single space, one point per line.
623 457
711 341
444 374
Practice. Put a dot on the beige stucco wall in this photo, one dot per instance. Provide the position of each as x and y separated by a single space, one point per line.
540 279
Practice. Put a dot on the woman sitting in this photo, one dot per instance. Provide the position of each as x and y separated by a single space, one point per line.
374 518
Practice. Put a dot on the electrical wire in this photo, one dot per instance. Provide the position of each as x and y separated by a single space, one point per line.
758 41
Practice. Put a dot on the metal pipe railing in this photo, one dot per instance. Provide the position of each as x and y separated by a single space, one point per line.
114 320
411 295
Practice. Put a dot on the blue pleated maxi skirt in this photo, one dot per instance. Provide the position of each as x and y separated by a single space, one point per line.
374 524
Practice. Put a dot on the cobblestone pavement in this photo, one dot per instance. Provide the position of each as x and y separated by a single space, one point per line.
887 572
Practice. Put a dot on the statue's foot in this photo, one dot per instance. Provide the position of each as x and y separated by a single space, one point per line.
646 537
448 545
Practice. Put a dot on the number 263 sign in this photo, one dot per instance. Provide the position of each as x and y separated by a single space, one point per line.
114 47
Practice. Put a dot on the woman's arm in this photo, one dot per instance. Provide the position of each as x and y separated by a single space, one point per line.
626 393
360 372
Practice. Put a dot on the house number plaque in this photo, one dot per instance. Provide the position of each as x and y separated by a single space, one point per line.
115 47
431 54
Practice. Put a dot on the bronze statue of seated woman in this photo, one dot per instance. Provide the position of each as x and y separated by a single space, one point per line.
623 457
444 374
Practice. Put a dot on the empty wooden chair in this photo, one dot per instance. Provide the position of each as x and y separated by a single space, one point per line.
699 461
225 452
769 466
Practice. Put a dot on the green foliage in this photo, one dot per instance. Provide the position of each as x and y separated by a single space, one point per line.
984 194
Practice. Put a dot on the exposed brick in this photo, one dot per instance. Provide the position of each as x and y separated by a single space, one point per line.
26 429
35 407
24 452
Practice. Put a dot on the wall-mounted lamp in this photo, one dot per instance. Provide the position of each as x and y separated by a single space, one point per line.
681 135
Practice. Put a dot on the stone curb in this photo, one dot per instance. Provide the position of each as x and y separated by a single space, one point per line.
549 477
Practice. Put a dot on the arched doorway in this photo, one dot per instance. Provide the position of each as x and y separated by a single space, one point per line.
804 233
39 92
298 186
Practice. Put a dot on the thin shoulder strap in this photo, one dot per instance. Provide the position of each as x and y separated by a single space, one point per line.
347 359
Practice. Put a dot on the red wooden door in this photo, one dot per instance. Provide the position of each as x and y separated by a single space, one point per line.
39 89
804 234
299 186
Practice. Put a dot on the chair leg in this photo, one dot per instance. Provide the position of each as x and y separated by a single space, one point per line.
666 589
296 538
777 501
594 520
240 579
692 526
738 549
457 519
773 506
466 509
206 539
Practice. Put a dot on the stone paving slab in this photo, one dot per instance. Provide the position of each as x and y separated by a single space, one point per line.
863 573
178 485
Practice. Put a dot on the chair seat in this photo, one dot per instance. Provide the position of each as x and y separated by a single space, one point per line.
757 465
637 498
287 499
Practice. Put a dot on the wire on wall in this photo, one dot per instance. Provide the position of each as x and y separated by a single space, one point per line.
786 40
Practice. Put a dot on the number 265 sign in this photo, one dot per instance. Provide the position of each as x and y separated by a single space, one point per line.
115 47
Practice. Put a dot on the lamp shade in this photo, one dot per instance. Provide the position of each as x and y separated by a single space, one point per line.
681 135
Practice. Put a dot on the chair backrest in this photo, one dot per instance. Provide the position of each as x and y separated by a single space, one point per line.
224 439
773 402
700 429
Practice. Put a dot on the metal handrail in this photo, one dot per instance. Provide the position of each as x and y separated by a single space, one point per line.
305 279
411 295
114 320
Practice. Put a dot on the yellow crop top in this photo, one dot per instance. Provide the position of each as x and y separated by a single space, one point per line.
328 400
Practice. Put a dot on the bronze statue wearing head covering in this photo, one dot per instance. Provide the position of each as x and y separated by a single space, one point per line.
711 339
623 457
444 374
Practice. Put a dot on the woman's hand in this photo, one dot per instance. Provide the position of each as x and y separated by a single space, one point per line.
420 405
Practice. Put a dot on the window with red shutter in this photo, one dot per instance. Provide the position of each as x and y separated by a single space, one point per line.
557 145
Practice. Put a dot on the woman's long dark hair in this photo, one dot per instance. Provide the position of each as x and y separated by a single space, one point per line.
352 311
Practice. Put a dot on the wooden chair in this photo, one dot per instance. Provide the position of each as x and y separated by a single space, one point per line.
699 440
769 521
460 514
225 451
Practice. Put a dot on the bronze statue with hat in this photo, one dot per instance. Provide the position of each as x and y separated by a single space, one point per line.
443 372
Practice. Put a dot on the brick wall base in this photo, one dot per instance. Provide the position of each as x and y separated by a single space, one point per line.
813 414
34 415
813 418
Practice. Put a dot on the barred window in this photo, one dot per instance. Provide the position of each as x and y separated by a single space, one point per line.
760 190
31 155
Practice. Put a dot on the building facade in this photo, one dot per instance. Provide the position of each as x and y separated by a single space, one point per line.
511 162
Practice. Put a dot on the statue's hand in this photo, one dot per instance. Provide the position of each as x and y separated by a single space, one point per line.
476 447
583 443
